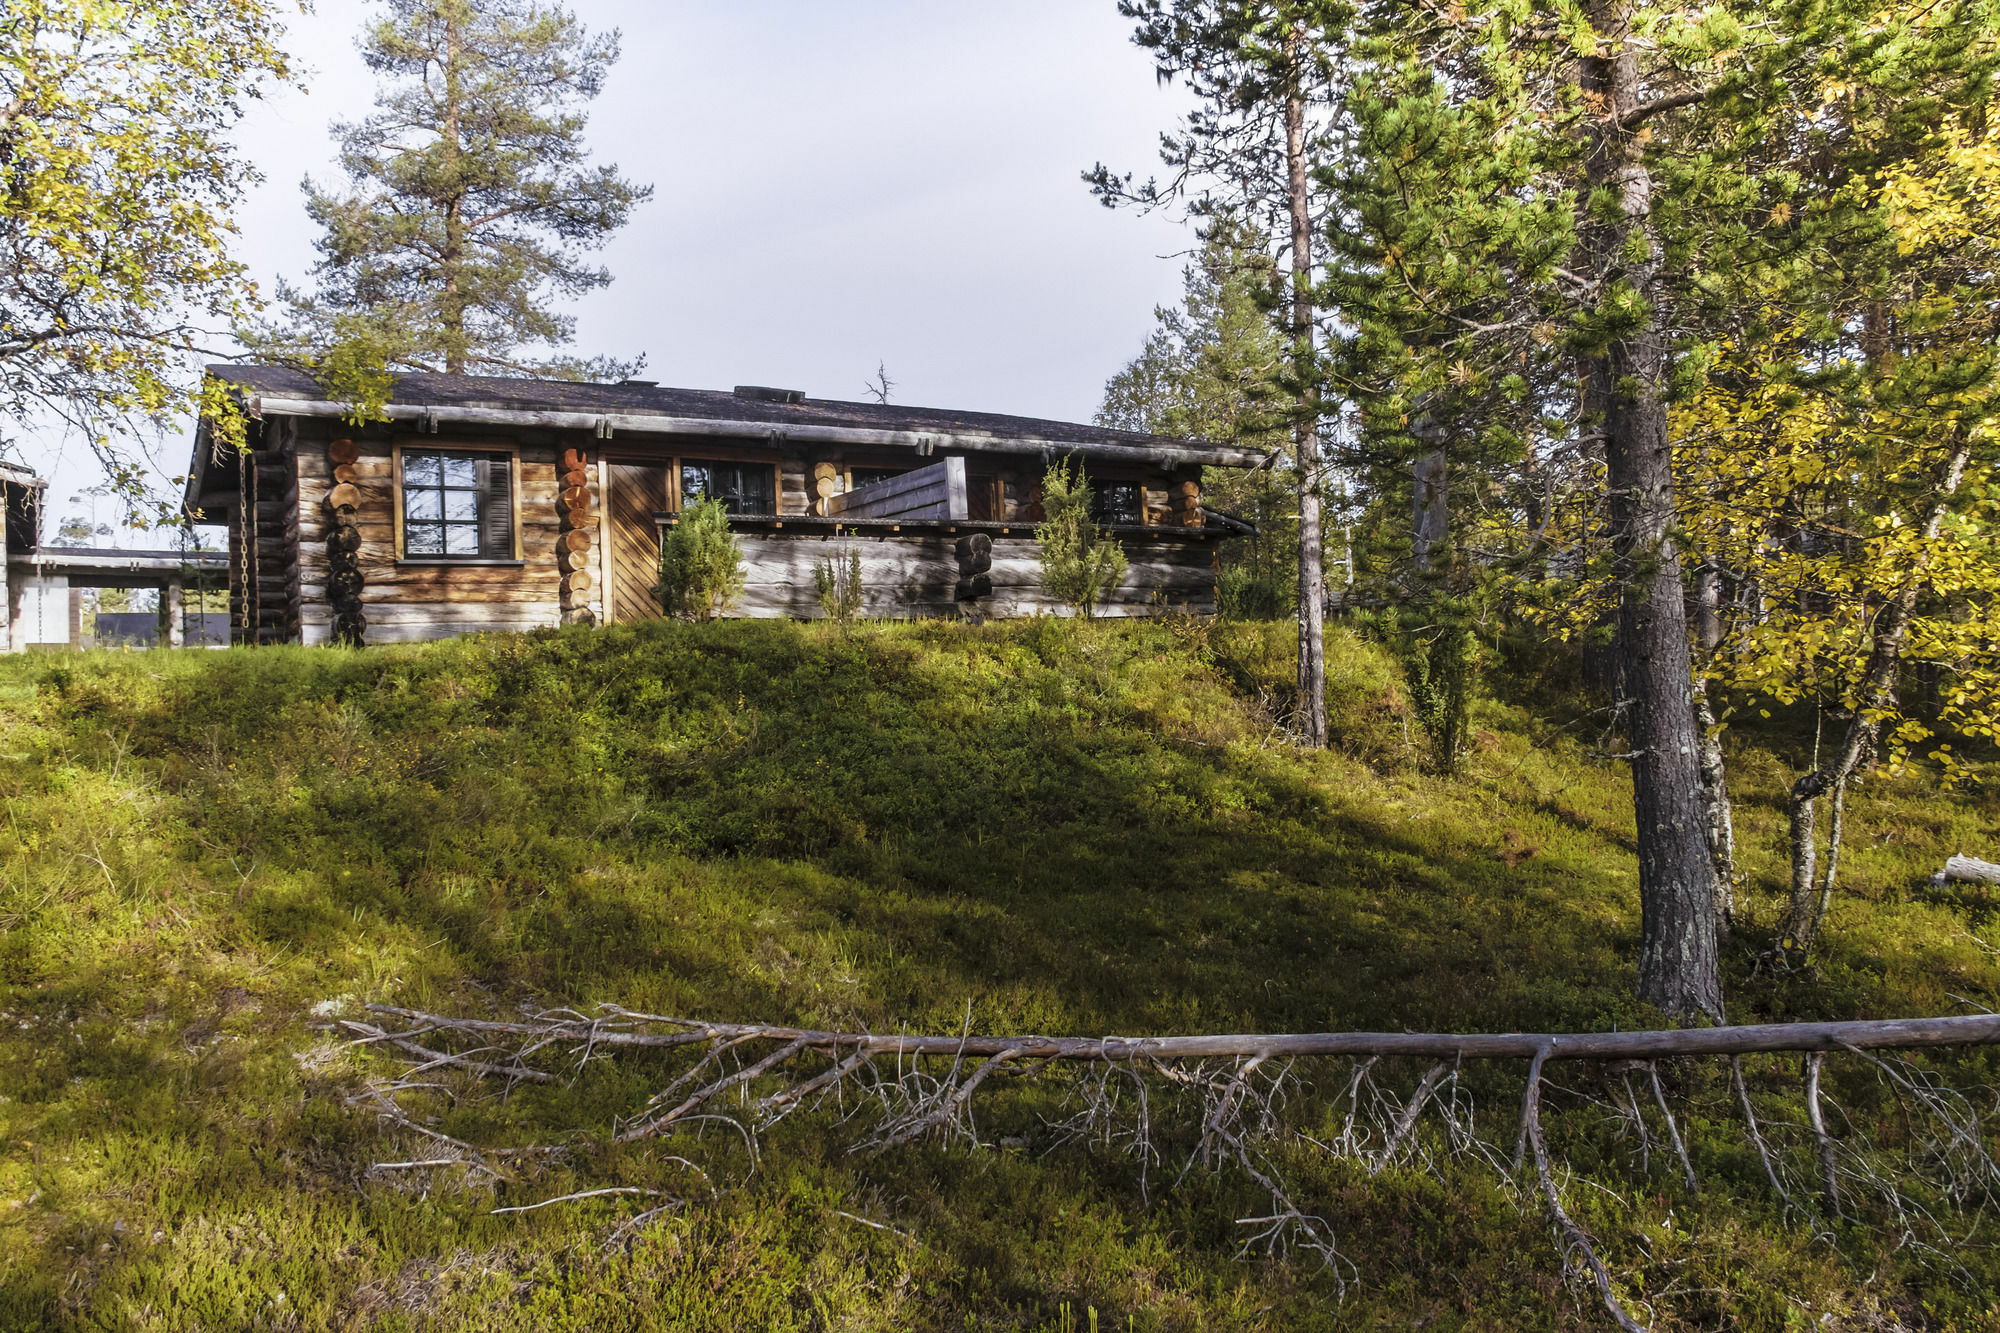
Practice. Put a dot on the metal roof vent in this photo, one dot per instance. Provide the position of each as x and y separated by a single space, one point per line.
759 393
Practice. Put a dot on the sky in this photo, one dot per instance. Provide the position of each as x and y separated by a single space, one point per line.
837 184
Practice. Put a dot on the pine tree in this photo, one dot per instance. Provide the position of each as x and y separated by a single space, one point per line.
1662 178
1261 74
1207 373
472 202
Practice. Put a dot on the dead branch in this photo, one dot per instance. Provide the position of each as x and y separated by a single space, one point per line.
572 1198
1756 1135
1235 1092
1575 1238
1673 1130
1829 1180
1407 1121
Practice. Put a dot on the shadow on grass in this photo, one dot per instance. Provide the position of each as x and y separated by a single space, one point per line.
1071 829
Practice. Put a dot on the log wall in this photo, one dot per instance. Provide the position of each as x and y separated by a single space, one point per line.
910 575
562 574
403 601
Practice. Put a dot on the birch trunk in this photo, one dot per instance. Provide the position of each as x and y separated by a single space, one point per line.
1875 700
1305 431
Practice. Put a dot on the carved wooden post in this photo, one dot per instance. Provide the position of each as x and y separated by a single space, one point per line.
573 546
343 546
975 580
826 485
170 612
1189 495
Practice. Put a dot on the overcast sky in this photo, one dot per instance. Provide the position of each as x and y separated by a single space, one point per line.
837 183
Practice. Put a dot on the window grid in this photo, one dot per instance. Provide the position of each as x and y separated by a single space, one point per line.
443 504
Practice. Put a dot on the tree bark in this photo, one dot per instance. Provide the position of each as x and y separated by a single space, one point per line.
451 310
1431 501
1721 814
1678 969
1305 430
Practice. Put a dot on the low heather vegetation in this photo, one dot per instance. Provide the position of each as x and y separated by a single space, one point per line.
1046 826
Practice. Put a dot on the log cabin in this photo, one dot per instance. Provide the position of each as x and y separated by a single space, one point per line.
514 504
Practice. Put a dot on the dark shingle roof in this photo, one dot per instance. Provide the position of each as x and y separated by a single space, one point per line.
475 391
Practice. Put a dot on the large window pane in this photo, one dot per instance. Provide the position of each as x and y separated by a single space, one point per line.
742 488
457 505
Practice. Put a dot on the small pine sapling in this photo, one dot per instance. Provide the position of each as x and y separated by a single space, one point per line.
701 568
1080 561
841 593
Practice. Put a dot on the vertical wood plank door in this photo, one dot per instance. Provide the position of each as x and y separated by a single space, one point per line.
638 491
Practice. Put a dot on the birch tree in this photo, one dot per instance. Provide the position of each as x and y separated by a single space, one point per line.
117 184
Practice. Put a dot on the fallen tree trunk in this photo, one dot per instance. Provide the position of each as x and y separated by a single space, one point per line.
1969 870
1866 1034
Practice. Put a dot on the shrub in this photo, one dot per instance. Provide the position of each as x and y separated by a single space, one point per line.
1438 644
1080 561
1244 593
841 594
701 569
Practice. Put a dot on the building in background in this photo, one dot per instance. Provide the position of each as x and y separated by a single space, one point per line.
514 504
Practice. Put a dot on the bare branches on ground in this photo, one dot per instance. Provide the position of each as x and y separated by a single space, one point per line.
1249 1104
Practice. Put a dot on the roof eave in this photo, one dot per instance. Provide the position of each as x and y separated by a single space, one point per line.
607 424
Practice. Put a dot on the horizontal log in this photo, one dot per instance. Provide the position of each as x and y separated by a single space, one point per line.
575 460
577 581
1753 1039
342 451
576 539
346 474
514 600
576 477
344 496
1968 869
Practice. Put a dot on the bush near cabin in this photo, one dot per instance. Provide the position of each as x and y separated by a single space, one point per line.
1047 825
701 565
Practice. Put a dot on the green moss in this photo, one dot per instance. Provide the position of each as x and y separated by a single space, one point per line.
1068 827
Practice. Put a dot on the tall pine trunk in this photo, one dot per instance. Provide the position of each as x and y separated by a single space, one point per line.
1305 430
451 310
1678 969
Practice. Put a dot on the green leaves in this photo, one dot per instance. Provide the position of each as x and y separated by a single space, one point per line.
701 568
117 180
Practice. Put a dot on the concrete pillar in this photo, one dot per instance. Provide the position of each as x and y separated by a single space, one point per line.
171 618
75 639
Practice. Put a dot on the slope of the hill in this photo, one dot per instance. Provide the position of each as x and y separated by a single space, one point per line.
1042 827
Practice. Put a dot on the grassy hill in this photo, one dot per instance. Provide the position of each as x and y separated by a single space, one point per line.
1034 826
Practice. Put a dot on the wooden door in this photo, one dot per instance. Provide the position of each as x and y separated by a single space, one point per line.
638 491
